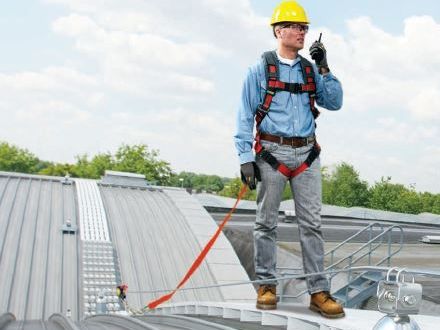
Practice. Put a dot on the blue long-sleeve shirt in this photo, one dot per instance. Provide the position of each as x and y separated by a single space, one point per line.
289 113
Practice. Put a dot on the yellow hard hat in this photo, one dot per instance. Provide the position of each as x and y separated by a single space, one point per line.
289 11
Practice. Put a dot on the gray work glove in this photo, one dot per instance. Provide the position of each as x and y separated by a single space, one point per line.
319 55
250 174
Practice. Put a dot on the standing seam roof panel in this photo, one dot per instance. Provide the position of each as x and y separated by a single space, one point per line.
148 221
33 279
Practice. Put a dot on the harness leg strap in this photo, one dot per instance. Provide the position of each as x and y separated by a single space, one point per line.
283 168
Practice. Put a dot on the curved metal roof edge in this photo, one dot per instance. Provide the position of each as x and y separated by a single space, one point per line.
32 176
292 316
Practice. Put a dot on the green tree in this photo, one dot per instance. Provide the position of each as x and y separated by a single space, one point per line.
57 169
135 159
199 182
209 183
430 202
100 163
42 164
183 179
140 159
343 187
14 159
287 193
388 196
94 168
232 189
82 168
436 205
384 194
410 202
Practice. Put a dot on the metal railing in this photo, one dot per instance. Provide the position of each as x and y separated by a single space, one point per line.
375 241
352 277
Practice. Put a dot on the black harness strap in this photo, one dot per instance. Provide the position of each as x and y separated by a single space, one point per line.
273 85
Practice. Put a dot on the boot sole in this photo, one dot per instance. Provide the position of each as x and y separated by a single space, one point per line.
266 307
329 316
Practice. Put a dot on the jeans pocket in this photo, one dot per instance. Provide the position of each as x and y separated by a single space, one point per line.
270 146
304 151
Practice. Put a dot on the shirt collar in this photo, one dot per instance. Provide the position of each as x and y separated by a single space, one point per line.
287 61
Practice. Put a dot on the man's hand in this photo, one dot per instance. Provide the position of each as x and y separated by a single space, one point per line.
250 174
319 55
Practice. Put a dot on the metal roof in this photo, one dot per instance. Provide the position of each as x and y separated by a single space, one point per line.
289 316
215 201
62 244
154 244
38 263
124 179
146 237
212 200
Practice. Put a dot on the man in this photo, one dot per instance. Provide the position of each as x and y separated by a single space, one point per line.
280 92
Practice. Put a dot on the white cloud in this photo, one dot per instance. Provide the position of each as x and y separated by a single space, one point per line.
426 104
138 63
395 131
380 70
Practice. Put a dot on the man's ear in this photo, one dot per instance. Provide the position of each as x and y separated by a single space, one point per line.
277 32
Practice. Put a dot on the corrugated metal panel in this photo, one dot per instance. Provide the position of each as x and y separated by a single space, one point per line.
155 245
221 259
38 264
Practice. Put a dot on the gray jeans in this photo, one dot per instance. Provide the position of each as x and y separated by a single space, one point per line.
306 189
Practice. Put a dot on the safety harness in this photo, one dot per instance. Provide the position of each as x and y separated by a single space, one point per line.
274 85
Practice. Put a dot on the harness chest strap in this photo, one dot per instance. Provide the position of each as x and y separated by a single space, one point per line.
274 85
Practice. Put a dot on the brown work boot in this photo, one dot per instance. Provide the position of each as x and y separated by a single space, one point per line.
323 303
267 297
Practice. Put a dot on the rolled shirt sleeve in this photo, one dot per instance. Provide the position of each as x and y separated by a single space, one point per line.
244 136
329 93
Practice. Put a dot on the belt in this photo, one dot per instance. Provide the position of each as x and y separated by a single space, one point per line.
290 141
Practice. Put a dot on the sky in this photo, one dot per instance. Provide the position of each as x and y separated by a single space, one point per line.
83 77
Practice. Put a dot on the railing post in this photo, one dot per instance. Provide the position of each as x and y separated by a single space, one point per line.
389 248
370 234
281 288
348 279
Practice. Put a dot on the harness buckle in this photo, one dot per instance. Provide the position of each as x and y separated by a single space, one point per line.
310 139
270 92
260 108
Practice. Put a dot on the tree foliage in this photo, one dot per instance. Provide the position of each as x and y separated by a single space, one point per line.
343 187
139 159
394 197
15 159
198 182
136 159
232 189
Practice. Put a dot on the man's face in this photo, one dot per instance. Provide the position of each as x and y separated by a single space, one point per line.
292 35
